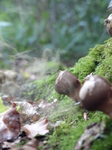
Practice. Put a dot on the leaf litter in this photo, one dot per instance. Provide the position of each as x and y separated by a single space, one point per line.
30 114
11 122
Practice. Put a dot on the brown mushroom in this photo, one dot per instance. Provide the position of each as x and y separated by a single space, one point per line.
96 94
108 24
68 84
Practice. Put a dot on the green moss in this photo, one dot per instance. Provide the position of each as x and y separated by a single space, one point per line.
98 61
87 64
46 88
84 67
105 68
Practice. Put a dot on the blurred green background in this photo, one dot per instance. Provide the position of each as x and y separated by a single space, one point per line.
69 27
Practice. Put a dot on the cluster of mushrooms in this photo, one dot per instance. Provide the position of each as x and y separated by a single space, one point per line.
94 94
96 91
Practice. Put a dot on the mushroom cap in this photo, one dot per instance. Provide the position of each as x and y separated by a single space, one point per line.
108 24
95 92
68 84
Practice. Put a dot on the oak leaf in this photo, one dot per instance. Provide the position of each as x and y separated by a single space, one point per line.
40 127
10 125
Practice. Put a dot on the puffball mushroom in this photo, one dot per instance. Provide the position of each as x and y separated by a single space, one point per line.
96 94
68 84
108 24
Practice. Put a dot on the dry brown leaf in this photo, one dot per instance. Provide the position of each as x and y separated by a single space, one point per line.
40 127
27 111
9 124
10 145
31 145
26 108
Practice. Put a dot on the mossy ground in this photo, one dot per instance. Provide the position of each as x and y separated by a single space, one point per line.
65 137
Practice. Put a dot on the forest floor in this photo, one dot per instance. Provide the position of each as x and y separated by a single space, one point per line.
33 116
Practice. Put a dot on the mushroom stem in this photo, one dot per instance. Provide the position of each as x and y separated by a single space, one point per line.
68 84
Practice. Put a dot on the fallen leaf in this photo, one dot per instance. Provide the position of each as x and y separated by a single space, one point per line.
31 145
40 127
9 125
11 145
26 108
27 111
